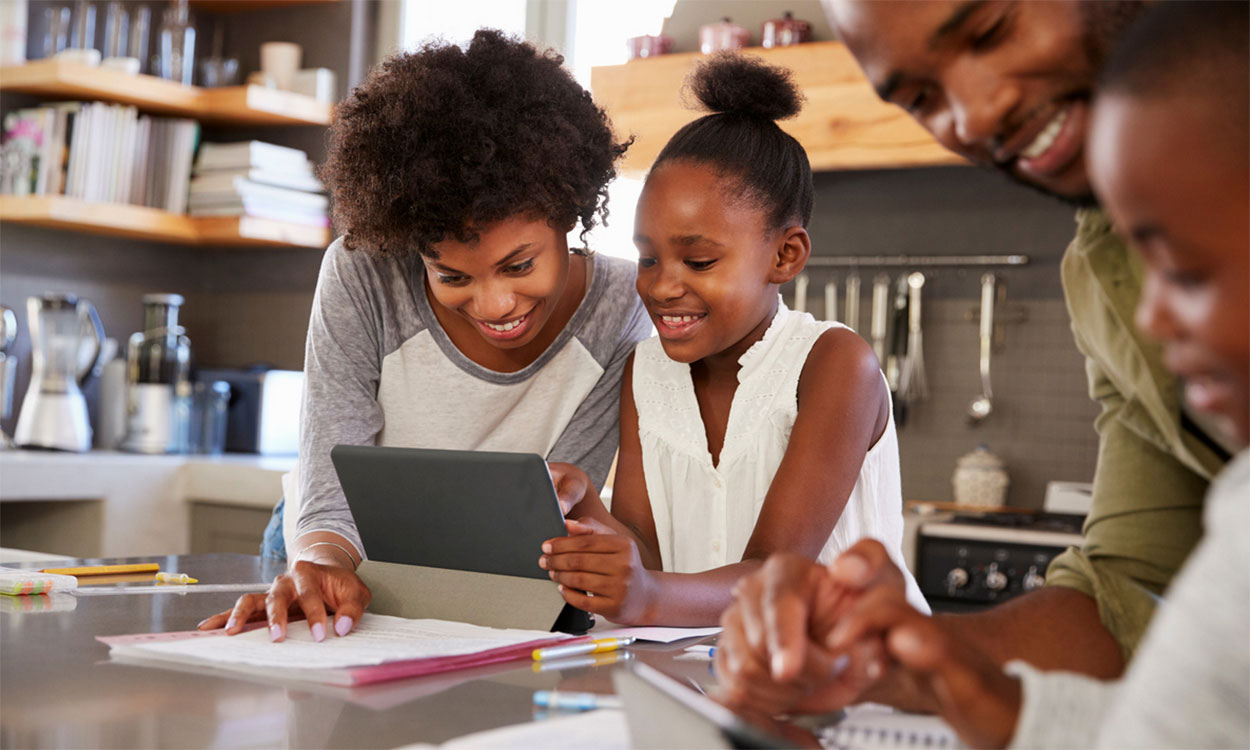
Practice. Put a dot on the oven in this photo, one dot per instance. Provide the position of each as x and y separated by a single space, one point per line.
969 561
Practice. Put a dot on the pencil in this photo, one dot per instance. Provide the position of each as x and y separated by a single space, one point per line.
100 570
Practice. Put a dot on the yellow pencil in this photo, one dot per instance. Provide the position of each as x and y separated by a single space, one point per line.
100 570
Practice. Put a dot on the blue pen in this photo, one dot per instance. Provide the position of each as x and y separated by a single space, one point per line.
575 701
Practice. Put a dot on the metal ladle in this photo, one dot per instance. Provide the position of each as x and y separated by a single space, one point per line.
983 404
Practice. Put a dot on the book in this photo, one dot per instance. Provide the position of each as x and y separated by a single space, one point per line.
248 154
242 190
378 649
229 179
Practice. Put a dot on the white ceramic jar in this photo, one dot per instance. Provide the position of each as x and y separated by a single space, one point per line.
980 479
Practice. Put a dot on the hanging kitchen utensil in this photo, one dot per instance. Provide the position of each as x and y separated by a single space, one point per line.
983 404
831 300
800 293
851 319
912 382
898 348
877 327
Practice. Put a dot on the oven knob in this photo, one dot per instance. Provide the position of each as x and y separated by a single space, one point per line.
1033 579
957 578
995 579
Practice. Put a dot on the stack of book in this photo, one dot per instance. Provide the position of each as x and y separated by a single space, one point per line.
98 152
257 179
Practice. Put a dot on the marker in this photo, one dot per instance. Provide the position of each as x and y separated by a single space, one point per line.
577 649
575 701
175 578
578 662
101 570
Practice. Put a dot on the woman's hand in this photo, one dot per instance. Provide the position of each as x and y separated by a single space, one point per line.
571 484
308 588
601 573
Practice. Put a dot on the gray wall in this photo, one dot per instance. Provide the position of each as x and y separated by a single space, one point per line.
1042 420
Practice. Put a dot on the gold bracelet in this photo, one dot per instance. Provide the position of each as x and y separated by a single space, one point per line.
350 556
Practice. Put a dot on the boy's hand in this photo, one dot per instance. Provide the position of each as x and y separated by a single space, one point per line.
600 573
767 660
970 690
571 484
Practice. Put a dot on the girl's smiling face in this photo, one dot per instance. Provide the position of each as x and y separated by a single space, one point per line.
708 267
1179 190
507 283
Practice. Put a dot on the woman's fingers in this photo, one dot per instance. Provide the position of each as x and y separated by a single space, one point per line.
212 622
307 578
278 605
248 607
348 596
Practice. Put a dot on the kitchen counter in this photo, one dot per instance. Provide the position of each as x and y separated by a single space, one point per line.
110 503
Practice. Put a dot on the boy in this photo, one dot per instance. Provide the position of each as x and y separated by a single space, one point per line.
1168 156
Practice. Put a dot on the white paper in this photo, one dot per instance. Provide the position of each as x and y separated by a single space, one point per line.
376 639
870 726
656 635
604 729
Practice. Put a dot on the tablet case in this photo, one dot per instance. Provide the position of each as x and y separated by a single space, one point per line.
455 535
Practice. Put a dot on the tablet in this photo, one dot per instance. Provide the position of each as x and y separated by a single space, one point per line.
460 510
663 713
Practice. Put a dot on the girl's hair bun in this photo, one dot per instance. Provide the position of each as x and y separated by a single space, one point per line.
732 83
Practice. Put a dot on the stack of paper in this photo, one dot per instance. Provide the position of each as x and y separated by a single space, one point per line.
379 648
18 582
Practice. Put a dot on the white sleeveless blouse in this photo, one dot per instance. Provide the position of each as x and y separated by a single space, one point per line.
704 514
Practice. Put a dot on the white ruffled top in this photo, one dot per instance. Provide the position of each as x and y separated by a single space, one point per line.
705 514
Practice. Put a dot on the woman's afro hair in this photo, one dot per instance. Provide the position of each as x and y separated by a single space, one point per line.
442 142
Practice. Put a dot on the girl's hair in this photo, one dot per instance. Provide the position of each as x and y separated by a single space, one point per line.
741 138
446 140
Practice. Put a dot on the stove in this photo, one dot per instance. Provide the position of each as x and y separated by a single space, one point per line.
970 561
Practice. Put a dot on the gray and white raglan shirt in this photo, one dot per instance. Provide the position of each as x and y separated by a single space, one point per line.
380 370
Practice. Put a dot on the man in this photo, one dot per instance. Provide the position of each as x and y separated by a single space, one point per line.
1008 85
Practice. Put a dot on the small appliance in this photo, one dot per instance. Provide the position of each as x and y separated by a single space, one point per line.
263 416
158 365
65 340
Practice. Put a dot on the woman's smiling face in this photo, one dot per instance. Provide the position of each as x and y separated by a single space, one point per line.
507 283
708 267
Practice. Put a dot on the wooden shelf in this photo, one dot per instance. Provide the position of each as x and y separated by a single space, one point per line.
153 225
235 105
242 6
843 124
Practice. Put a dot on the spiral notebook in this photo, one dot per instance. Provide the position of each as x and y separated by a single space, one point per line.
870 727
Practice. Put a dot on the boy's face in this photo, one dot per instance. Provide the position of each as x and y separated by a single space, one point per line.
706 263
1179 190
1005 84
507 283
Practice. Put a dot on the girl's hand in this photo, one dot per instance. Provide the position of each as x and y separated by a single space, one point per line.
571 484
600 573
308 588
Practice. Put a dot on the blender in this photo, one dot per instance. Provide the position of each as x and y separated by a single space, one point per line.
65 339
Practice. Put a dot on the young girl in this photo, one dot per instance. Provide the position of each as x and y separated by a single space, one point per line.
746 428
452 314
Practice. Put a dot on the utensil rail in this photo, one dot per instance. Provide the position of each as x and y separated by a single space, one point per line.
893 261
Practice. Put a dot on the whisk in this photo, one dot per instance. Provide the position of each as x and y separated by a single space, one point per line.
912 385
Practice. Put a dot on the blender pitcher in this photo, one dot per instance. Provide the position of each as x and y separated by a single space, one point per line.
65 339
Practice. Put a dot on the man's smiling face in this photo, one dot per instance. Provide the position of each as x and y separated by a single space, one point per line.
1004 84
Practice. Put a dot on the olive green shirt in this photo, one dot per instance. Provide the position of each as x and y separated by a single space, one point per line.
1153 470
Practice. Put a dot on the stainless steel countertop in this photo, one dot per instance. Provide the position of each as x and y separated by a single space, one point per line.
59 688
